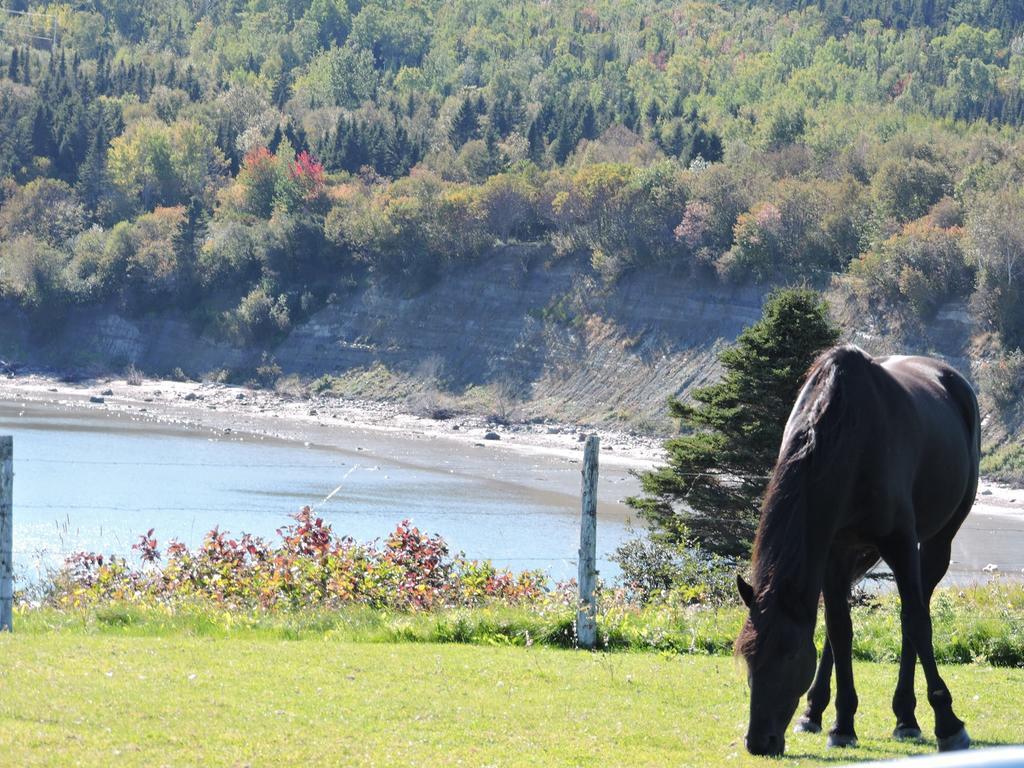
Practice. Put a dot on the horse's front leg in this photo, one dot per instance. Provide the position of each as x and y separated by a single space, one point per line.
818 695
840 639
904 558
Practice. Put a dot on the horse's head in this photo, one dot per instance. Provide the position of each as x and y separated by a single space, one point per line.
780 655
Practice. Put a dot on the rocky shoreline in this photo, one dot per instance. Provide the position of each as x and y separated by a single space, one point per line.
233 409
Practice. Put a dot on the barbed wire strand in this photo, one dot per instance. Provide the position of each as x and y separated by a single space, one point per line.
99 462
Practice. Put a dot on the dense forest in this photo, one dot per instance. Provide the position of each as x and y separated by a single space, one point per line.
245 162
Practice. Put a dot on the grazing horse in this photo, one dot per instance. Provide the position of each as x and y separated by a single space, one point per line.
879 459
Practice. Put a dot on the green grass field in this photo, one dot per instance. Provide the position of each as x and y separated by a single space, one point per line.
70 697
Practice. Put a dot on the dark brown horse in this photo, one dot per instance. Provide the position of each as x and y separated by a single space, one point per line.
879 460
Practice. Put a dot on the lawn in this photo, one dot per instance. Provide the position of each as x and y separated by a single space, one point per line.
74 698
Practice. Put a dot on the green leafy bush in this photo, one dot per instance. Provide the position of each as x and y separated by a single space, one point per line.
1005 464
654 571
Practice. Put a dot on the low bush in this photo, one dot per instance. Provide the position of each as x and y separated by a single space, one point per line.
410 588
1002 379
1005 464
654 570
308 567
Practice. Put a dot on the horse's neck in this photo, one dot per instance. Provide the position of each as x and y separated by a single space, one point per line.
799 590
795 556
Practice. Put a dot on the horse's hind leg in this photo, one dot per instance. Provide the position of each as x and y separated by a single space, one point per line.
904 558
934 564
818 695
904 702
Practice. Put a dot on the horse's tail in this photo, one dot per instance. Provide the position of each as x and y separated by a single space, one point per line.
967 402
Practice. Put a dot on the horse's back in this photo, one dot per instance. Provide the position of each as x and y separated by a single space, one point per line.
936 425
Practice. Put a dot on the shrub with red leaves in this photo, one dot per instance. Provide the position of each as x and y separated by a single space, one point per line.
308 177
310 566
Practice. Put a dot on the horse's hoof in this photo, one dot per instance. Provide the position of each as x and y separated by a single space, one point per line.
959 740
806 725
906 733
841 740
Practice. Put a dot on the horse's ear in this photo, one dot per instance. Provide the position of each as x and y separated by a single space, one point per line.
746 591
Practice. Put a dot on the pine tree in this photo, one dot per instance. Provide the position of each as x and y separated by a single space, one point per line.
465 125
26 67
677 142
92 175
565 143
630 114
535 140
588 122
12 68
710 490
275 140
652 112
676 107
495 161
707 144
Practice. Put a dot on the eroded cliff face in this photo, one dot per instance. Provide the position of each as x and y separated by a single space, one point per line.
566 344
570 347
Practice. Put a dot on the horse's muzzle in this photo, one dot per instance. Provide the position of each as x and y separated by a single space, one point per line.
767 744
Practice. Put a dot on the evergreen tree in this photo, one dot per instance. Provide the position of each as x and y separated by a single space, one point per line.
464 126
676 107
13 68
565 143
652 112
588 122
630 114
711 488
677 141
275 140
296 136
535 139
707 144
26 71
495 161
92 175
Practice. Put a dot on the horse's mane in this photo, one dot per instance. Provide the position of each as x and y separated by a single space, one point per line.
819 427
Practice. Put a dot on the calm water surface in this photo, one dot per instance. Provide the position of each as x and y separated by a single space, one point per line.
91 480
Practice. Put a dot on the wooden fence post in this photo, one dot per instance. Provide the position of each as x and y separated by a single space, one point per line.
586 615
6 533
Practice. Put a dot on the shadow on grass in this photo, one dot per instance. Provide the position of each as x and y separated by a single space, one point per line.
984 744
863 752
847 755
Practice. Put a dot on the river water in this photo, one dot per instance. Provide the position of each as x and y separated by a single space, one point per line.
88 479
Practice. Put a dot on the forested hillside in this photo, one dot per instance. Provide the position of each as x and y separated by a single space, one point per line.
249 163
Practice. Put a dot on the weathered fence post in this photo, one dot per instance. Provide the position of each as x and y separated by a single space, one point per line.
6 533
586 616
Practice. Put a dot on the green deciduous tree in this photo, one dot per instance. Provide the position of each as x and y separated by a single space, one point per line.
710 490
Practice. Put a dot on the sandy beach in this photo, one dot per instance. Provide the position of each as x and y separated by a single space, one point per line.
270 414
991 541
